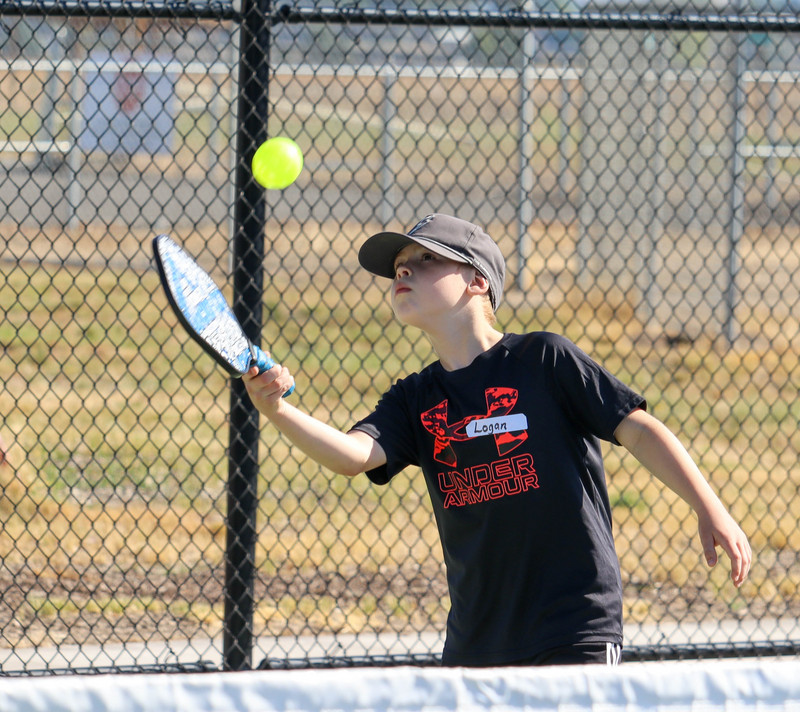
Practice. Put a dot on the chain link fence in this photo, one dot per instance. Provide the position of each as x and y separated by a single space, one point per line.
641 173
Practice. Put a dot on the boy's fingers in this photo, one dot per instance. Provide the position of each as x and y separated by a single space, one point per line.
737 565
255 371
744 560
276 380
735 544
741 557
709 545
711 556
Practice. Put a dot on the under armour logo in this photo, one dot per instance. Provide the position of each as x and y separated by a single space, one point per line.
499 402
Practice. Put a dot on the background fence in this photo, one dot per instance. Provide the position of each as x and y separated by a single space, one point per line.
641 173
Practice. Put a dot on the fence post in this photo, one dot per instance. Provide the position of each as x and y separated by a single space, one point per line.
527 179
248 260
388 110
736 197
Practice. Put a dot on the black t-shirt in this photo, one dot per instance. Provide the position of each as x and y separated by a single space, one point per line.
510 450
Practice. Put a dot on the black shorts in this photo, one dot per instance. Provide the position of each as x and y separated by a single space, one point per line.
578 654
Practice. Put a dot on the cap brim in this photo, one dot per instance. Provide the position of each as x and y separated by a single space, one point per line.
378 253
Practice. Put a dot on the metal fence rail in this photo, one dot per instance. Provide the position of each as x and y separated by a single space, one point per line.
641 172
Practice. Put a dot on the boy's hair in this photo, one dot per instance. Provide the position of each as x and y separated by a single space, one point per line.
488 310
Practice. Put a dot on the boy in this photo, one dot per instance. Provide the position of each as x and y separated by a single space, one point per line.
507 431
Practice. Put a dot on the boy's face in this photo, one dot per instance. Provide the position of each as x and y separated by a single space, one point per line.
427 284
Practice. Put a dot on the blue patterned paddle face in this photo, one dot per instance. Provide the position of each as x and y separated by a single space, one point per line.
203 310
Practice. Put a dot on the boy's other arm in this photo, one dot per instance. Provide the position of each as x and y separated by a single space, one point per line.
344 453
659 450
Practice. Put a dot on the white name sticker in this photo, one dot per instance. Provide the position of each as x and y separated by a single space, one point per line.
494 426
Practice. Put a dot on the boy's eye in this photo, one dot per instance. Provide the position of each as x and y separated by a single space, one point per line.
422 257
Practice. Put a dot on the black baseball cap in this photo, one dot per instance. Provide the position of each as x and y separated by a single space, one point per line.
450 237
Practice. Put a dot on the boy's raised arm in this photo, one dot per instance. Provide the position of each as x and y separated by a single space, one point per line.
660 451
344 453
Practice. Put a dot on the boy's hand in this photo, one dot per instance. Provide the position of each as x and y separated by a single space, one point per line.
266 388
719 529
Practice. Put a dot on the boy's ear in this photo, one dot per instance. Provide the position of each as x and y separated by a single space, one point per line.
479 284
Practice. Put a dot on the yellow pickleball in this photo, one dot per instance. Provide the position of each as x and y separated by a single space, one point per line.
277 163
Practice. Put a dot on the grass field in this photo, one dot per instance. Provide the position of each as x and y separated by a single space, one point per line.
113 506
